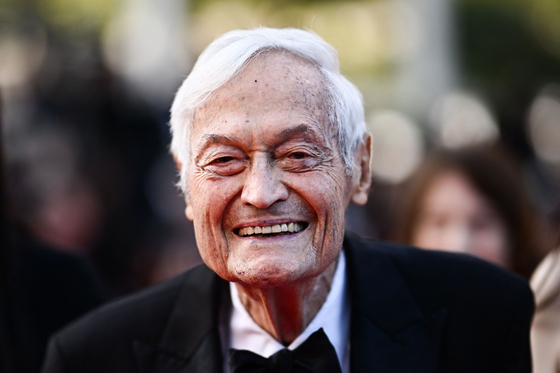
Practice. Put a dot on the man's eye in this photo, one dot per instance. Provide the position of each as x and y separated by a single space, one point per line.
299 161
298 155
223 160
226 165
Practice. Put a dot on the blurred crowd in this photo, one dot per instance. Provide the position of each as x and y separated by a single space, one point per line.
90 209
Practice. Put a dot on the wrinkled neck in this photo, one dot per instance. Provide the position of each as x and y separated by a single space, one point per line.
285 311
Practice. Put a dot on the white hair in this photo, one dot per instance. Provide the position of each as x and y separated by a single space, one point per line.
228 54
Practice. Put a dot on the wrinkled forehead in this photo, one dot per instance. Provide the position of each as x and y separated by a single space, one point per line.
281 67
279 79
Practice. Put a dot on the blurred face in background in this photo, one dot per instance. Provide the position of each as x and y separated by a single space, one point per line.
455 216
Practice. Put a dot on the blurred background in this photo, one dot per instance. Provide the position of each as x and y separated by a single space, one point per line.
86 87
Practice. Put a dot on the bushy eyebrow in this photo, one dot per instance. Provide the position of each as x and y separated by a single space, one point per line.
212 138
217 139
302 130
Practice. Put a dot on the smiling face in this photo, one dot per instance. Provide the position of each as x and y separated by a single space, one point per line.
267 187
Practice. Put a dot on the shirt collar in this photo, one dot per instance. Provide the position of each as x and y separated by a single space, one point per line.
333 317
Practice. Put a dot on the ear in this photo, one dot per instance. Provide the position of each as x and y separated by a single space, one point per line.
178 162
362 175
188 211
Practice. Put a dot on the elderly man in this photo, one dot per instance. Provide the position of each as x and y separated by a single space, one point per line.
271 145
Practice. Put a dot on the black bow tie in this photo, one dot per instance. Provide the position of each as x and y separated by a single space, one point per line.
315 355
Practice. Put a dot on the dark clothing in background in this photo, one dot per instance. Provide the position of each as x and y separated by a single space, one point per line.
44 291
412 311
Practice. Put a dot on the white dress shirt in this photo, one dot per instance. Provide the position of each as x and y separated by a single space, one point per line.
333 317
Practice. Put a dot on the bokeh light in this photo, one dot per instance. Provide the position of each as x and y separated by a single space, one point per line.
146 44
544 124
23 45
369 35
461 119
398 145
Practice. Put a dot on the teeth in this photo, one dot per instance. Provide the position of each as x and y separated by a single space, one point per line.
277 228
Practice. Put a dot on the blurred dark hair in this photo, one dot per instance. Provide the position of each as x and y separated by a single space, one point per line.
494 174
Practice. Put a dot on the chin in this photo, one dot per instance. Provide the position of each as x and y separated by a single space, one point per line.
271 273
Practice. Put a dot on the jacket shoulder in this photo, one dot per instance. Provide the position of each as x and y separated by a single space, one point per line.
107 334
437 277
132 310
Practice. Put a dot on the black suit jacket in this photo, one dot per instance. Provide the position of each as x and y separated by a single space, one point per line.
412 311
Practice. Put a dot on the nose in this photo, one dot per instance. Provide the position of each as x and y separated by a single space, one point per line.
262 186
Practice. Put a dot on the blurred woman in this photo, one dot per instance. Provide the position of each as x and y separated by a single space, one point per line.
472 201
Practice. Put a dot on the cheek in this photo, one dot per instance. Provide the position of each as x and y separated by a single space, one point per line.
493 244
427 233
326 197
421 237
212 196
208 202
327 188
212 244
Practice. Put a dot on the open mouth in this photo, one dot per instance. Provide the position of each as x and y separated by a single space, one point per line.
272 230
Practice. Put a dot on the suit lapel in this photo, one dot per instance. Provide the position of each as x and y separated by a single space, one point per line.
389 332
190 341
